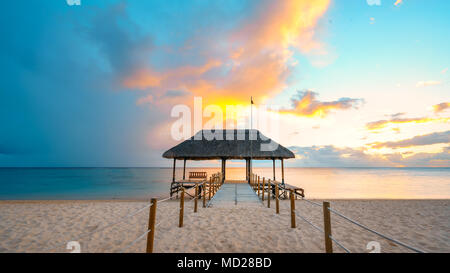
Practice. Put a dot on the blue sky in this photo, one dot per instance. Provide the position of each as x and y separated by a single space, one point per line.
93 85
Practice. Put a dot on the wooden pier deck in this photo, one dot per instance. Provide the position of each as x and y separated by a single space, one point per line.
235 195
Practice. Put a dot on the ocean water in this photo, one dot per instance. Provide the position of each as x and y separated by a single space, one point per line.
143 183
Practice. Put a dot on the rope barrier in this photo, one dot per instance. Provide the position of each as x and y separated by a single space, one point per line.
306 220
311 202
339 244
114 223
168 198
377 233
146 232
352 221
136 240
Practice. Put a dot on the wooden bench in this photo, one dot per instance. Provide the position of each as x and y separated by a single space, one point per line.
198 175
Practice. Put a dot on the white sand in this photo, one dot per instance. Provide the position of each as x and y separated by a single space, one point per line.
48 226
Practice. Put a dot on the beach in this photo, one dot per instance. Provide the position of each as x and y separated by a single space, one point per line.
47 226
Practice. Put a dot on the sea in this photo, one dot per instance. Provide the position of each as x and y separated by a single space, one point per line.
145 183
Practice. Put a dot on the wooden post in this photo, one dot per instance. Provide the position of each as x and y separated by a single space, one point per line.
224 174
274 169
204 194
268 193
209 191
277 201
173 172
249 169
246 169
151 226
184 169
181 208
282 171
327 227
263 182
259 186
292 209
196 198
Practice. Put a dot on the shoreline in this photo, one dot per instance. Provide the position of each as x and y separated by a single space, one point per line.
139 200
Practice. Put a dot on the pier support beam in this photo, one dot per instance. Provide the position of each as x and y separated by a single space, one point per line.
173 172
274 179
250 170
246 169
224 167
184 169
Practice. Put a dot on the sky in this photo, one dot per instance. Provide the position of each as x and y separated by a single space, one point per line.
361 83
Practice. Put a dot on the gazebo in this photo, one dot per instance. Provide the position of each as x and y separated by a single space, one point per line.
226 145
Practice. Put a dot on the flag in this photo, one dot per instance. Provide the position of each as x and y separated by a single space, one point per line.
251 99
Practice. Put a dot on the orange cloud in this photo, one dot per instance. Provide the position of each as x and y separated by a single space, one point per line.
253 61
380 124
281 24
428 83
429 139
305 103
441 107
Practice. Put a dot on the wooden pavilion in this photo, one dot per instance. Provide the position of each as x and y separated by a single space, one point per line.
226 145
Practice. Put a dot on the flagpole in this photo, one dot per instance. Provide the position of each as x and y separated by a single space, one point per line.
249 135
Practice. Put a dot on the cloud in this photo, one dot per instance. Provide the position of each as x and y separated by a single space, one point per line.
327 156
331 156
428 83
380 124
253 57
397 115
429 139
305 103
441 107
444 71
119 40
171 96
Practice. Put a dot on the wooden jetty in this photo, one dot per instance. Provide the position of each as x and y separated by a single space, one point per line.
235 194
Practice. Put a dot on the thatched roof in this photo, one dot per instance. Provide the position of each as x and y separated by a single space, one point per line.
228 144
